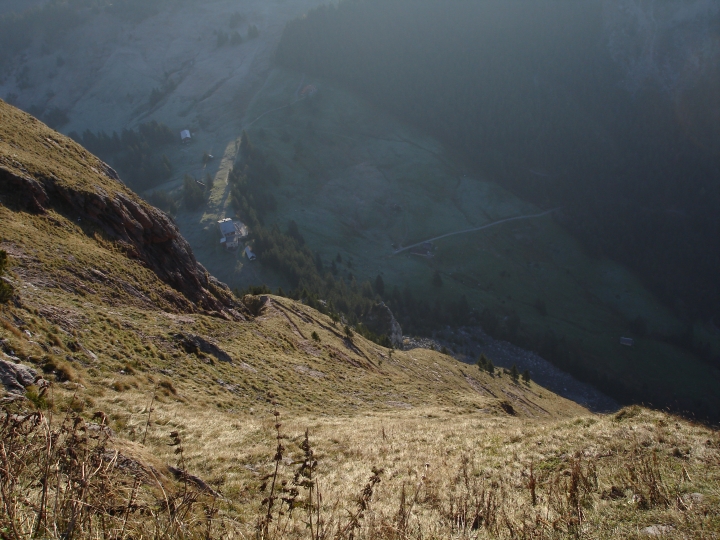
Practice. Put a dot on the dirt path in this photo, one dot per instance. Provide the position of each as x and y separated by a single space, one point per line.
474 229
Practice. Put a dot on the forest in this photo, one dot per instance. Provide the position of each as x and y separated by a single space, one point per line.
135 153
327 285
529 96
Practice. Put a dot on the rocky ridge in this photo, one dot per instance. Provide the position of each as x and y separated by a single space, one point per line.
94 194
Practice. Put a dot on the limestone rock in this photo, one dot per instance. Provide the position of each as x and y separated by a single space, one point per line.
657 530
16 377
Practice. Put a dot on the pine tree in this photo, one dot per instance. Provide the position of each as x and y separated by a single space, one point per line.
486 364
245 145
379 285
526 376
514 373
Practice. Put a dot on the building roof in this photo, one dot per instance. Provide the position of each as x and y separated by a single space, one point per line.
226 226
185 134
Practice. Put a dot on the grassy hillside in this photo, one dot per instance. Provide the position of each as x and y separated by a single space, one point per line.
463 453
358 183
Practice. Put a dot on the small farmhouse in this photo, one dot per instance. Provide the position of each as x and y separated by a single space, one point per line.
249 254
232 232
185 135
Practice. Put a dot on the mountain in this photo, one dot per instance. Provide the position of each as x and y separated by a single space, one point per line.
178 410
606 109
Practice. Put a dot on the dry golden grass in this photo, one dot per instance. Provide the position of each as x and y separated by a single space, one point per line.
463 453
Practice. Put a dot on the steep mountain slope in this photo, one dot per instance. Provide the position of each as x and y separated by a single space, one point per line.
611 114
359 183
87 250
133 334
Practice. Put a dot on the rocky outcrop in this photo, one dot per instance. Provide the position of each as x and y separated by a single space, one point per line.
382 322
17 377
199 345
146 233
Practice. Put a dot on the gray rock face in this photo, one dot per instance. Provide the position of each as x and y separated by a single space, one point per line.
16 377
381 321
146 233
197 344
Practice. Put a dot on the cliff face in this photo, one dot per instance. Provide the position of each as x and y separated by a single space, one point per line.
41 170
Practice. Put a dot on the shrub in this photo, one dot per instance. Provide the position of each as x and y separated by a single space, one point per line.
6 290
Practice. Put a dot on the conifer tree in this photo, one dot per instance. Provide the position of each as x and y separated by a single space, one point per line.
379 285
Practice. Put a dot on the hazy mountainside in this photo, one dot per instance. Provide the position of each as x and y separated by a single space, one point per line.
99 65
110 307
357 183
83 246
566 103
670 45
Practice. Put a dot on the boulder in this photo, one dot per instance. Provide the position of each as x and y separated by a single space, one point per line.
16 377
657 530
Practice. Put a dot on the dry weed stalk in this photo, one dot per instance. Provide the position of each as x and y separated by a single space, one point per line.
65 481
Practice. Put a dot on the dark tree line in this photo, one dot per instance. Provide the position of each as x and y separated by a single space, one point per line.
134 153
326 285
527 91
251 180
